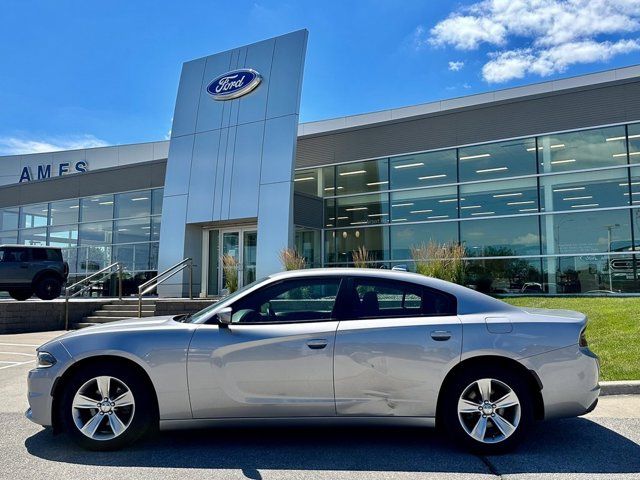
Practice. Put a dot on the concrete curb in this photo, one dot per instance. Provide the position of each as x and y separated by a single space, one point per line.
622 387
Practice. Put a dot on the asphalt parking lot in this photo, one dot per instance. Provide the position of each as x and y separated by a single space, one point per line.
604 444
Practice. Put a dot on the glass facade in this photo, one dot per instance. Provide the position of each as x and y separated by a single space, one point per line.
93 232
555 213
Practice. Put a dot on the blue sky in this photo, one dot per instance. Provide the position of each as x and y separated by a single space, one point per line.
89 73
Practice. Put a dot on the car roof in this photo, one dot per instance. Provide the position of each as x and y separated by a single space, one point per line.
15 245
469 301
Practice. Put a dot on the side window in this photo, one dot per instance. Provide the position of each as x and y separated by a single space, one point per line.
39 254
299 300
382 298
15 255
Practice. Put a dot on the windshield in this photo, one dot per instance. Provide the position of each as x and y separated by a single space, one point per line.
200 316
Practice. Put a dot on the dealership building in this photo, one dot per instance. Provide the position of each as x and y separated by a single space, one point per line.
540 183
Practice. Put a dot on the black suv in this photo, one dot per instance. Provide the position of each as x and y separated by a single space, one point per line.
25 270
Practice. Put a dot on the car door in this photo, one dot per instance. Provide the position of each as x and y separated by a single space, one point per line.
14 266
394 347
276 357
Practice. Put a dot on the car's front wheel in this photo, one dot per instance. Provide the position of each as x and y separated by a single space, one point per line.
487 409
106 407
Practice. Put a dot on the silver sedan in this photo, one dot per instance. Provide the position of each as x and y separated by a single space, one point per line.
347 345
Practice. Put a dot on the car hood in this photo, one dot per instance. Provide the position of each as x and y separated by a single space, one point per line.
130 324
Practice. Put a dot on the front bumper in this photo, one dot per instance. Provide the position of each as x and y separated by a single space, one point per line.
40 383
569 378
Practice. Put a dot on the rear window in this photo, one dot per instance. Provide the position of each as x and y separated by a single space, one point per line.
384 298
46 254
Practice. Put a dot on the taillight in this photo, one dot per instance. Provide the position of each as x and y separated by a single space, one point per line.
583 338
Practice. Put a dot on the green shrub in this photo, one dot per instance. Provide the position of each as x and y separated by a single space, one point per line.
444 261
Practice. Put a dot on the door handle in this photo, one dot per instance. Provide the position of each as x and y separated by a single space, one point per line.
317 344
24 265
440 335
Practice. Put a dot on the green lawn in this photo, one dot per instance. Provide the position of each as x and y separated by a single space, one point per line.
613 331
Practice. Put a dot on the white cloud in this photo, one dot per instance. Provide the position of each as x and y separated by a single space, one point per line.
512 64
556 33
456 66
22 145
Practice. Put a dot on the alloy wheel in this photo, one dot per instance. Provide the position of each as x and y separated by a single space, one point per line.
103 408
489 410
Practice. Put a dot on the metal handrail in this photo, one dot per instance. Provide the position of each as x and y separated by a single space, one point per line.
90 283
153 283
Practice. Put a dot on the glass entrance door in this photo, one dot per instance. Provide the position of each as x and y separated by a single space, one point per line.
249 247
231 261
232 258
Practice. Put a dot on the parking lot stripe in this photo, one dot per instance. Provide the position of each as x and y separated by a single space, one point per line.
19 345
19 353
17 364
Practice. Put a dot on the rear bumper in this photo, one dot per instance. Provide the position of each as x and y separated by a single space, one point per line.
569 378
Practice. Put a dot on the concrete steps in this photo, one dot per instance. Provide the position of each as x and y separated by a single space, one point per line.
128 308
118 310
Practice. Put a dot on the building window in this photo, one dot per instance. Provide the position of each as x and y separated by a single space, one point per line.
95 233
133 204
362 177
429 204
156 199
591 273
9 218
404 237
132 230
307 244
8 237
506 197
586 232
99 207
424 169
306 182
360 210
33 236
600 147
64 212
509 275
634 142
347 241
577 191
501 237
64 236
34 215
497 160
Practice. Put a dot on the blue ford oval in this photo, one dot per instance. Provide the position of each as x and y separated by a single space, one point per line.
234 84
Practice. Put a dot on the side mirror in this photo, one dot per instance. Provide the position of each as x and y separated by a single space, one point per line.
224 316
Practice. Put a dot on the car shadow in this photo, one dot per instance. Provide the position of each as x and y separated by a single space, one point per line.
572 445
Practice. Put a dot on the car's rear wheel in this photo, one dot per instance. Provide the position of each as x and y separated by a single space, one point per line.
20 294
106 407
48 288
487 409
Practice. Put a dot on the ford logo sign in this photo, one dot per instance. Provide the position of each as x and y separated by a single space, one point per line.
234 84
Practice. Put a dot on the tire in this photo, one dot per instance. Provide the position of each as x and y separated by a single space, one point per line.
48 288
498 437
20 294
106 431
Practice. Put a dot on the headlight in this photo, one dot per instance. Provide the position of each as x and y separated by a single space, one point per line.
45 360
